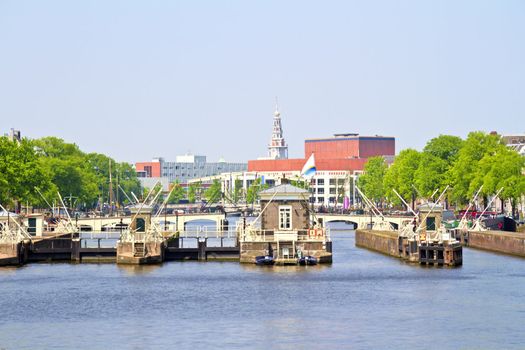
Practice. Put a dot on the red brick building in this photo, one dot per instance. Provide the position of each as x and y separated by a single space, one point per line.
148 169
341 152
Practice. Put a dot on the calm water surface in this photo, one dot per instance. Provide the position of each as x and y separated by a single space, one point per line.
364 300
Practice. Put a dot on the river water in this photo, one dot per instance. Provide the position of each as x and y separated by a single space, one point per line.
364 300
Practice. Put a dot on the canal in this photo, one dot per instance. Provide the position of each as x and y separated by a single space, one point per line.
364 300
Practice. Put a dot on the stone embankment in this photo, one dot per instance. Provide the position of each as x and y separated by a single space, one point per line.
512 243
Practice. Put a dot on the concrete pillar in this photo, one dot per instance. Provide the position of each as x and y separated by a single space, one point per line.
201 246
75 250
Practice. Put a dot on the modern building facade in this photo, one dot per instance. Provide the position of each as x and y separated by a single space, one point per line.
339 161
184 168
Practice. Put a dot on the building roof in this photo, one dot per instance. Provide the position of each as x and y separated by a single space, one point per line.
350 164
349 137
285 192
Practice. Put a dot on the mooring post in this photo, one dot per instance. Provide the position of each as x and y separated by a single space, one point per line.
201 244
75 249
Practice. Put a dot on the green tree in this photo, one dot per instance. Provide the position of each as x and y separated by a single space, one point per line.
177 194
431 174
252 194
214 192
69 169
237 191
193 191
301 183
146 192
445 147
401 176
503 169
20 172
463 172
127 179
372 180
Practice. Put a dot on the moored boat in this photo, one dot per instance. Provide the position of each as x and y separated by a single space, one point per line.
307 260
264 260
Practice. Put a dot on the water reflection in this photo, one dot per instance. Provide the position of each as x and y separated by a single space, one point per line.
132 270
286 269
364 300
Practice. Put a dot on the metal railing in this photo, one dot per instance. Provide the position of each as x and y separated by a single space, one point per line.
250 234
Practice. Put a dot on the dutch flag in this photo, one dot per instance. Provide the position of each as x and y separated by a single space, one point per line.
309 167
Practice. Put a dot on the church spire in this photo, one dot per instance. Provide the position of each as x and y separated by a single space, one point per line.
277 149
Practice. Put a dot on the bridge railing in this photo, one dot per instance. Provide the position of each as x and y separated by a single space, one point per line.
250 234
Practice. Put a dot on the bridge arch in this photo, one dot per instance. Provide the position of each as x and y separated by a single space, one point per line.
348 222
199 224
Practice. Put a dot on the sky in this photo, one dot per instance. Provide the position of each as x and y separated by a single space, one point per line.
141 79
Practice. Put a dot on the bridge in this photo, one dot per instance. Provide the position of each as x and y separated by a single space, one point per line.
172 222
362 221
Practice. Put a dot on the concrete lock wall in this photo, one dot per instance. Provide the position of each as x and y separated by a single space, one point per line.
385 242
498 241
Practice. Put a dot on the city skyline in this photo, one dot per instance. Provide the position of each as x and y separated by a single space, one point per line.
137 81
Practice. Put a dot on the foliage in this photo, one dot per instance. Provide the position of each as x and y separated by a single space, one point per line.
20 172
237 191
146 192
193 190
502 169
401 175
177 194
372 181
252 194
445 147
465 169
430 174
214 192
301 183
85 176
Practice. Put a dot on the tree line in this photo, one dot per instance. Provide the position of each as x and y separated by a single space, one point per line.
49 165
464 165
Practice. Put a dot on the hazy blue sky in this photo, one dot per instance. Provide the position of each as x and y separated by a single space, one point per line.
138 79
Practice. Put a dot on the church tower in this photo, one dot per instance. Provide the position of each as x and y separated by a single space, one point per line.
277 149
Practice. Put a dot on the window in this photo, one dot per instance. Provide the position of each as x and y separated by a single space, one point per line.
320 199
285 217
148 171
332 182
431 224
332 190
320 190
341 182
320 182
